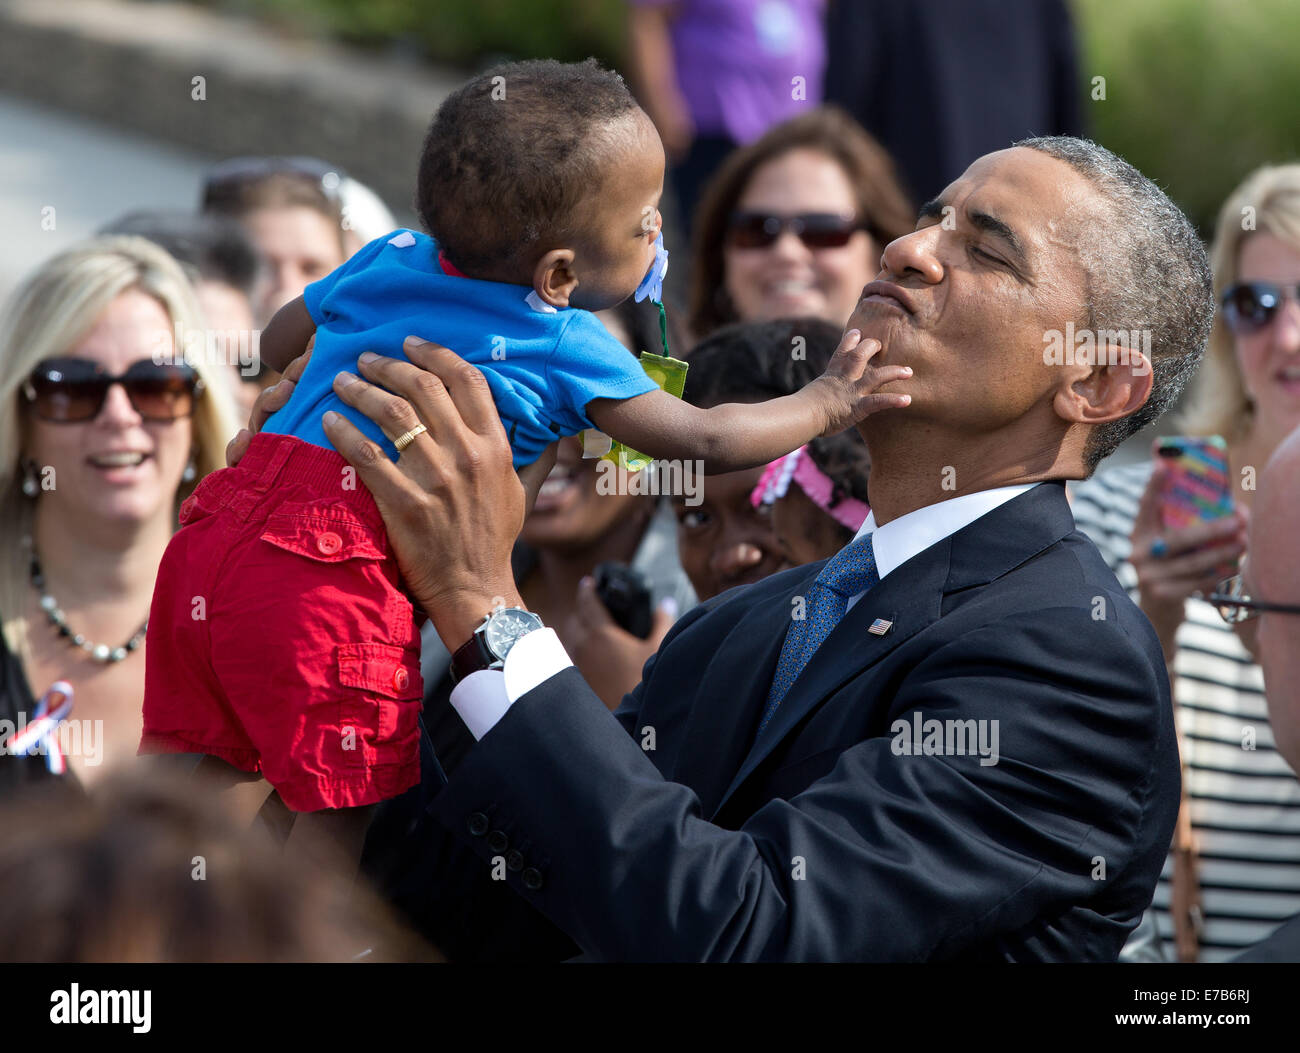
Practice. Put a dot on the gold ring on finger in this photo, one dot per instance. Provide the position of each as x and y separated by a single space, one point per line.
406 438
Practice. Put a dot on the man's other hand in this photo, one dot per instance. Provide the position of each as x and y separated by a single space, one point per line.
452 503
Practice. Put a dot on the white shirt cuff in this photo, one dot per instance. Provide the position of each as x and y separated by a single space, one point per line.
482 698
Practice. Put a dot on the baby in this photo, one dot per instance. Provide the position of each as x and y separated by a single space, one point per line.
281 640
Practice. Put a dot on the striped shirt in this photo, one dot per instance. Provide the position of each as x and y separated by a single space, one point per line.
1244 799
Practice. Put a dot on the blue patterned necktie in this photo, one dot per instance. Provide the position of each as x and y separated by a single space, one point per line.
853 570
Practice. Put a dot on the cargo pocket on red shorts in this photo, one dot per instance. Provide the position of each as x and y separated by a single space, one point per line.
381 693
324 533
377 685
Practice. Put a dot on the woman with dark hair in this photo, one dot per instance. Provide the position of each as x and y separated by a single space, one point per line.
794 224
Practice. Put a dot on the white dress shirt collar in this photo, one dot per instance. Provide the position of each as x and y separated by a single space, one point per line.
900 539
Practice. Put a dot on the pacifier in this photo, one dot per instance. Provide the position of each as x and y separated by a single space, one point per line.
652 285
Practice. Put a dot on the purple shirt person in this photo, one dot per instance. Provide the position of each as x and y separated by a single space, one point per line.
715 74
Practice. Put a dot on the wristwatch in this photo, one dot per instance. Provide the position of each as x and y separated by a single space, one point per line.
492 640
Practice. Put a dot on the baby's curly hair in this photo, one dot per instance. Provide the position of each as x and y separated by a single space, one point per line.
510 155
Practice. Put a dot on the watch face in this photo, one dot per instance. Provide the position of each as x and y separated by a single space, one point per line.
506 626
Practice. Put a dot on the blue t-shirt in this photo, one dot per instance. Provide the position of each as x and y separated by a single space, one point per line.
543 366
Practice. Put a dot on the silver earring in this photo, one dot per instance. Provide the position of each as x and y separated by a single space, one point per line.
30 486
190 473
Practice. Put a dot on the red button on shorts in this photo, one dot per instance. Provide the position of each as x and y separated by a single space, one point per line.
280 638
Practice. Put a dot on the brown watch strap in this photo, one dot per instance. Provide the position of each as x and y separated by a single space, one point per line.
470 657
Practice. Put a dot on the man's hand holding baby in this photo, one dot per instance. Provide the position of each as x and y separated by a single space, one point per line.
452 503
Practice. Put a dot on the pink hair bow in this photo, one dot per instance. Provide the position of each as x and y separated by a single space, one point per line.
798 467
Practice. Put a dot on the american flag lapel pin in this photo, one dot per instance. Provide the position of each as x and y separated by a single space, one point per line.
879 627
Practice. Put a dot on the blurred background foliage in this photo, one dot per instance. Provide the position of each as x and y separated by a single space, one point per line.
464 33
1198 92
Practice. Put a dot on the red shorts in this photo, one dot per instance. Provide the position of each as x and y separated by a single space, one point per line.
280 638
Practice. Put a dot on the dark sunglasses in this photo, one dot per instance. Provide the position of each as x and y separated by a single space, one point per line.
1250 306
817 230
1235 606
225 178
67 390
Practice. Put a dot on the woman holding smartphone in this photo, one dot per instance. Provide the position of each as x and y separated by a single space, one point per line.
1234 873
108 427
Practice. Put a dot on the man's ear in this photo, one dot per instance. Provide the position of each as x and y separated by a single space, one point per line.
1105 392
554 279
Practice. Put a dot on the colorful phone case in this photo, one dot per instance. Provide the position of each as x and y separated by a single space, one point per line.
1196 482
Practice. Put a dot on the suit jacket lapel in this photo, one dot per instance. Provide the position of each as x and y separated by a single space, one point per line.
734 686
1009 535
908 598
911 598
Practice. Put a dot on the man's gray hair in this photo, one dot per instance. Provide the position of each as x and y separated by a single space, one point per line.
1147 270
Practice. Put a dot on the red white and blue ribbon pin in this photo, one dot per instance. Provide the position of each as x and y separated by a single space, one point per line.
42 733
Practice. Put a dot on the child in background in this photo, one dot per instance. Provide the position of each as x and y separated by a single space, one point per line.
816 496
540 182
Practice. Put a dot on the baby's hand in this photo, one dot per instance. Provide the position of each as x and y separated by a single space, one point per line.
848 387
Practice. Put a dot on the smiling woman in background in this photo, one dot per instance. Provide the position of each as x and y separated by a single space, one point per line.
98 446
793 224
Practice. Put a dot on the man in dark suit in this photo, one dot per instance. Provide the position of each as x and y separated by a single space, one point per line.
940 83
951 741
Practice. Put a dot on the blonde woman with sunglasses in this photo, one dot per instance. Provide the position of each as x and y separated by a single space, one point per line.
108 426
